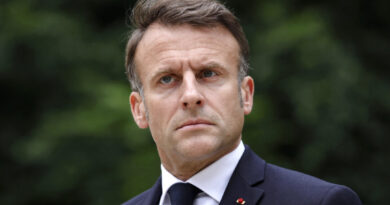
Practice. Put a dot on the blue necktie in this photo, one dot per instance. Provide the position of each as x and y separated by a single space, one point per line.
182 193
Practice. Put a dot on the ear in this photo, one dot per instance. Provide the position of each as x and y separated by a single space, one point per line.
138 110
247 91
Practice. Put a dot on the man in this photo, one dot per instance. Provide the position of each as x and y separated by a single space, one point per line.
186 61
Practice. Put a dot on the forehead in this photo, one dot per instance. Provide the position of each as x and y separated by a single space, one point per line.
162 42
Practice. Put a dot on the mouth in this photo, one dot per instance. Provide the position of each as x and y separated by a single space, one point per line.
194 124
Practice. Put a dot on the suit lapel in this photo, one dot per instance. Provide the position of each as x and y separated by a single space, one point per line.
248 173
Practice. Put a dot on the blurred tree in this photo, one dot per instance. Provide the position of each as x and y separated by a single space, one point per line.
321 106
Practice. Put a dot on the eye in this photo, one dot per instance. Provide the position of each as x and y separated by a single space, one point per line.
167 79
208 74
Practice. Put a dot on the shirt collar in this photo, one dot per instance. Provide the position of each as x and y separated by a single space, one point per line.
210 180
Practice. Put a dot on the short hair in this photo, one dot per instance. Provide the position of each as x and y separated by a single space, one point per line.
202 13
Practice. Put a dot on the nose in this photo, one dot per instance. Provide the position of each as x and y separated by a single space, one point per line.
191 93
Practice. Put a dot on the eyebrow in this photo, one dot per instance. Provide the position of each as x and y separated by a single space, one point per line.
212 65
169 70
162 71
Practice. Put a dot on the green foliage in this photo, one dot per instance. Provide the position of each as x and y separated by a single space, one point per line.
67 136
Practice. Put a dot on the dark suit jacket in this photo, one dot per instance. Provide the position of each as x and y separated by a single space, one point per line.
258 182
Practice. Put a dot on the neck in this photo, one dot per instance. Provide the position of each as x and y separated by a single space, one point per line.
184 168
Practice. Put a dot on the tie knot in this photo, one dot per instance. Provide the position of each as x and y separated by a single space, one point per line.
182 193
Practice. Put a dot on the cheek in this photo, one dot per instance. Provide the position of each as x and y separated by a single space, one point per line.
232 103
160 111
226 102
231 97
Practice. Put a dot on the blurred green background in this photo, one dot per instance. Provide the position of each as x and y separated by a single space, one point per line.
322 102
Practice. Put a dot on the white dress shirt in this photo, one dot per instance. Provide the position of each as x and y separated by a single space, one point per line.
212 180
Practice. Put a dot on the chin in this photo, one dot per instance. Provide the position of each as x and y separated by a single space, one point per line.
200 148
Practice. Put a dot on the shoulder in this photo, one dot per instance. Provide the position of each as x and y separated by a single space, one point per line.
281 186
298 188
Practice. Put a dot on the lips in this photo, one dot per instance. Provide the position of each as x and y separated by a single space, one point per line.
194 123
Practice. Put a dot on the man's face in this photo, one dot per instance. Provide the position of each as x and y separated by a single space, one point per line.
191 92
